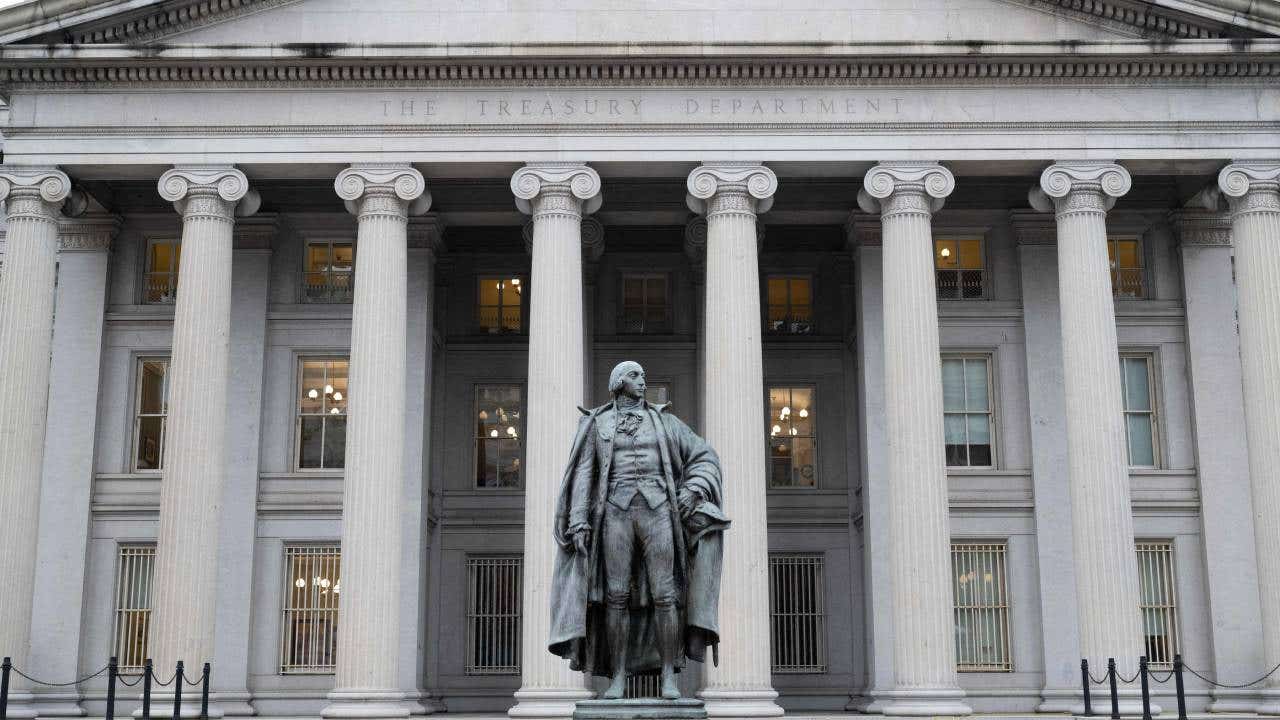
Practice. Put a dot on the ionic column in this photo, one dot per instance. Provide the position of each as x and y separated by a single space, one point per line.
1106 565
366 683
557 195
730 195
1253 191
33 198
906 195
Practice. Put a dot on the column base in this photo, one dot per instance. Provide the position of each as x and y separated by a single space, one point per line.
1231 700
232 703
162 705
919 702
58 704
1270 704
547 703
1130 703
867 702
1060 700
366 704
21 705
741 703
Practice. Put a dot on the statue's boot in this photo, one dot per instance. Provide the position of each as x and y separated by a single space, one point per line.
618 620
669 640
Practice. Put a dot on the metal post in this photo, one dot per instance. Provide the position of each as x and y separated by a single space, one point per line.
177 693
4 687
112 671
1115 694
1177 680
1146 691
1085 681
146 690
204 695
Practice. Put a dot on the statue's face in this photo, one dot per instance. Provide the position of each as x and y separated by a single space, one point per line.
633 383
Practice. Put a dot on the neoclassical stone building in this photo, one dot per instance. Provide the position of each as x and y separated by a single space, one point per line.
977 300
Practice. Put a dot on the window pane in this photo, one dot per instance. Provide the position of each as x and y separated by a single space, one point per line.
777 291
498 432
311 393
953 385
150 442
1141 443
1137 390
335 388
317 257
970 254
954 429
801 293
981 607
971 284
975 381
311 442
797 614
979 429
164 257
151 399
344 255
979 455
632 291
804 462
335 441
490 290
780 461
656 291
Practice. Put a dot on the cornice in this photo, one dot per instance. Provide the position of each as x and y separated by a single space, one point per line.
171 20
1130 18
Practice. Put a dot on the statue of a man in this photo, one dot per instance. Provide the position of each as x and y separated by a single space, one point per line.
639 528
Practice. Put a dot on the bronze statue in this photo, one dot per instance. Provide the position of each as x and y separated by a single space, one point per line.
639 528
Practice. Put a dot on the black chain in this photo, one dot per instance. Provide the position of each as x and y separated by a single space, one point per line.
162 684
126 683
1105 676
1124 680
1229 686
65 684
1152 674
195 681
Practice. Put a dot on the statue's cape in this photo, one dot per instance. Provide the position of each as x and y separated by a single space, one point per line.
577 589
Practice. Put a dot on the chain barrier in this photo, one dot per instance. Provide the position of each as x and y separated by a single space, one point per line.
1229 686
147 678
77 681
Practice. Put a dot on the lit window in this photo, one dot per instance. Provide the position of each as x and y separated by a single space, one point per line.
793 459
160 282
312 583
135 565
958 268
498 413
329 271
645 308
1158 602
966 405
1139 409
797 618
981 596
790 305
500 301
1125 255
322 413
493 615
150 412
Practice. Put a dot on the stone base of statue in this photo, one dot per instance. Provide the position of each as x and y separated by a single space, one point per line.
640 709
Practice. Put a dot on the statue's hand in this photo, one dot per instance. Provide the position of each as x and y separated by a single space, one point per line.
582 541
689 500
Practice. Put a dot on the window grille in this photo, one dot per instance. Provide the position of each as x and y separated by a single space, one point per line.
493 615
1127 274
797 615
1139 409
790 306
1158 602
645 307
967 411
958 268
312 583
134 568
160 281
793 441
981 594
498 413
499 305
322 413
151 410
329 273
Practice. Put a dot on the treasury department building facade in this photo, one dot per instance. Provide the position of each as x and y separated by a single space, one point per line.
977 300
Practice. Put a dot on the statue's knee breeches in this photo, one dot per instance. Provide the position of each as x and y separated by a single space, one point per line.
651 528
657 542
619 545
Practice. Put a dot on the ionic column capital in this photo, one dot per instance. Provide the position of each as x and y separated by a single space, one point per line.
1201 229
731 187
382 189
218 192
1080 186
556 188
905 188
32 191
1252 186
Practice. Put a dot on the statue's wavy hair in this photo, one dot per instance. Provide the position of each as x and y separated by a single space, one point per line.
619 370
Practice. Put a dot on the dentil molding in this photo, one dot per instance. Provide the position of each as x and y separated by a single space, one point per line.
568 179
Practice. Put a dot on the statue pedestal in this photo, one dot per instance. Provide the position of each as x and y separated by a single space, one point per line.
640 709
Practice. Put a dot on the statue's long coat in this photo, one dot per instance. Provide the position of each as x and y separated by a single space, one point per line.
578 584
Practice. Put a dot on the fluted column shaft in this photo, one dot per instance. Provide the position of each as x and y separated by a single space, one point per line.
366 676
33 198
730 195
1097 461
556 195
919 532
1253 190
186 569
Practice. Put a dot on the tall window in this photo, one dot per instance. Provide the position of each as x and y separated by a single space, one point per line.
790 305
312 582
645 304
150 412
329 271
1127 279
1158 601
958 268
493 615
322 413
160 281
981 593
797 615
134 567
498 413
967 415
793 442
500 300
1139 409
